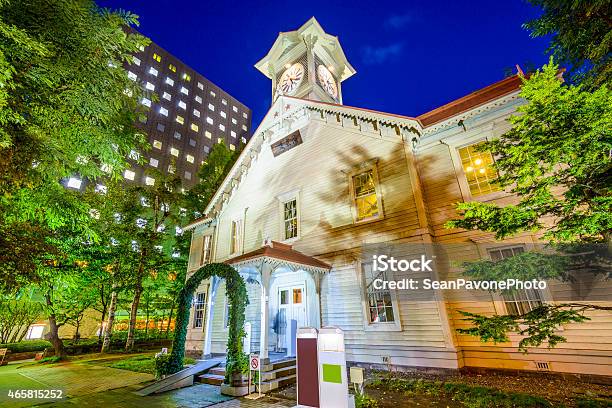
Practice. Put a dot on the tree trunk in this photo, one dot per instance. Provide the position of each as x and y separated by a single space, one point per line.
108 329
53 337
129 344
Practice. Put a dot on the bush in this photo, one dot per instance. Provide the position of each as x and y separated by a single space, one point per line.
162 365
27 346
363 401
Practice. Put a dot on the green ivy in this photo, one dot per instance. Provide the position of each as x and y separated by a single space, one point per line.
237 361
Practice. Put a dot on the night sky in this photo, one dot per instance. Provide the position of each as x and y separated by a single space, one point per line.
410 56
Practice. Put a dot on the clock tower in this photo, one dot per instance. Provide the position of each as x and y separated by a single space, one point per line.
307 63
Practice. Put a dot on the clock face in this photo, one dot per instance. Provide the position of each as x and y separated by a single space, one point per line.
290 80
327 81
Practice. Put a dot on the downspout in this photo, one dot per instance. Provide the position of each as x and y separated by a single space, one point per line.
243 229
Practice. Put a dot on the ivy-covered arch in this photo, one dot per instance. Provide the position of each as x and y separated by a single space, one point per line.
236 292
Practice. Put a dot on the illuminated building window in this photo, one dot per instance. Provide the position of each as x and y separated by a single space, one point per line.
74 182
236 233
149 181
174 152
153 71
196 113
208 134
180 119
146 102
221 127
235 109
209 120
233 134
186 77
188 175
132 76
379 301
244 127
170 81
156 57
182 105
232 147
223 114
213 94
194 127
365 196
200 86
163 111
189 158
136 61
199 306
198 99
167 96
129 174
211 107
177 135
184 90
150 86
290 218
153 162
478 170
157 144
172 68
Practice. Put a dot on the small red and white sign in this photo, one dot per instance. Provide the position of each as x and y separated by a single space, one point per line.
254 361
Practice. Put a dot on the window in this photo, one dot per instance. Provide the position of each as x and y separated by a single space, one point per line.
149 181
213 94
244 127
134 155
195 127
365 196
222 127
189 158
156 57
188 175
379 302
223 114
206 249
232 147
243 140
101 189
192 143
209 120
198 99
233 134
478 170
290 219
200 86
157 144
219 140
244 115
161 127
146 102
180 119
136 61
174 151
184 90
186 77
171 169
517 302
74 182
35 332
224 101
234 121
129 174
211 107
153 162
206 149
132 76
167 96
199 305
234 108
150 86
170 81
163 111
153 71
236 234
182 105
172 68
177 135
208 134
196 113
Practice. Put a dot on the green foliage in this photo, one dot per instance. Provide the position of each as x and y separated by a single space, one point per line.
17 313
556 159
50 360
237 360
364 401
580 36
27 345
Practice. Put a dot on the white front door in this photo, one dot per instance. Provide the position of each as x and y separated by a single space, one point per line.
291 306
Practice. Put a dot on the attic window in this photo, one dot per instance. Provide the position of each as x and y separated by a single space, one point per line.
287 143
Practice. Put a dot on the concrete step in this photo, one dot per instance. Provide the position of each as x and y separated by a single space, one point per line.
267 386
278 373
279 364
217 371
212 379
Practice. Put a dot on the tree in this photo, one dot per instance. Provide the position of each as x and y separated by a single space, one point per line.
17 313
557 160
57 121
581 36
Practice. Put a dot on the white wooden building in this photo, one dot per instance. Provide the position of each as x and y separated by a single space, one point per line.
320 179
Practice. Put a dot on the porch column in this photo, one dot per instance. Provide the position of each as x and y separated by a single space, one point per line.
214 284
266 272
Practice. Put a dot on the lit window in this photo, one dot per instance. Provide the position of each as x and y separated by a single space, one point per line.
134 155
199 306
234 121
132 76
244 127
157 144
290 220
171 169
182 105
186 77
196 113
478 170
208 134
150 86
106 168
219 140
174 152
364 194
101 189
172 68
206 249
211 106
170 81
223 101
232 147
74 182
149 181
180 119
188 175
206 150
177 135
213 94
153 162
146 102
233 134
184 90
223 114
153 71
518 302
200 86
209 120
235 109
129 174
192 143
194 127
221 127
136 61
167 96
156 57
163 111
244 115
243 140
189 158
35 332
236 233
128 92
380 302
198 99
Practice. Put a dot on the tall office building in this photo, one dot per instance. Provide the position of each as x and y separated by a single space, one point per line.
190 116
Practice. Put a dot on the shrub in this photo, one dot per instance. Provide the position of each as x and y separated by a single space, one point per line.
363 401
162 366
27 346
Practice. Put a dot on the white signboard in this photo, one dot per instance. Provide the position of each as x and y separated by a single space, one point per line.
254 361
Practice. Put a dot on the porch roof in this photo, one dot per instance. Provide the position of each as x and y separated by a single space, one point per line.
279 253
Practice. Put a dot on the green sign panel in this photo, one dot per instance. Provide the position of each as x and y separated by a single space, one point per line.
332 373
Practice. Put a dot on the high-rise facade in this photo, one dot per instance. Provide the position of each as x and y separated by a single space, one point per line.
190 115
